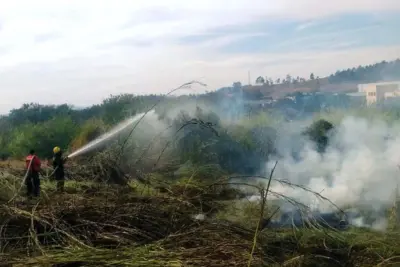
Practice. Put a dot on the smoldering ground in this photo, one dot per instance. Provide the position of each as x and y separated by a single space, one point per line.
360 165
360 168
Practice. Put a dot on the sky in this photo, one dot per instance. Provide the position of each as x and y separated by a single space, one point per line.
80 52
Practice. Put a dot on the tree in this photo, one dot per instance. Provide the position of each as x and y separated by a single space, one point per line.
271 82
288 78
89 131
318 85
260 80
237 85
253 94
318 132
312 77
370 73
36 113
238 152
278 81
42 137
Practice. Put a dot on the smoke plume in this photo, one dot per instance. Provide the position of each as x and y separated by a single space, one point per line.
359 168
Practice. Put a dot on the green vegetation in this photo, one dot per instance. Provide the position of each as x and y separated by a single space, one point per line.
318 132
371 73
136 206
362 74
133 215
44 126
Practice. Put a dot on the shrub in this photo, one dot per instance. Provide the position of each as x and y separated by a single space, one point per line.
89 131
318 133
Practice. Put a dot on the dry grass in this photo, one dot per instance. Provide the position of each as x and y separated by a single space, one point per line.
95 224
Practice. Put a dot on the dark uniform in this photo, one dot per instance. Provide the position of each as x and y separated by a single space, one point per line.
58 165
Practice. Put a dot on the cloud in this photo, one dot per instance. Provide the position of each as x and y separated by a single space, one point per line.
41 38
91 49
130 42
156 14
305 25
268 35
85 81
4 50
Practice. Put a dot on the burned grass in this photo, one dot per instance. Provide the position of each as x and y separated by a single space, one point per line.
138 225
162 228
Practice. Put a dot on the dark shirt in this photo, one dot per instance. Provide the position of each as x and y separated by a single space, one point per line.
58 165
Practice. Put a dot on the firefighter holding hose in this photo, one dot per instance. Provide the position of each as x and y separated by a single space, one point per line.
33 166
58 165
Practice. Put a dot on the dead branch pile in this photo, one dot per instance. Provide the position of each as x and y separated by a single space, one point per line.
110 221
215 243
13 168
95 222
106 225
103 167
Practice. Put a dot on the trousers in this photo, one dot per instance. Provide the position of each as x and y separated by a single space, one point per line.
33 184
60 178
60 186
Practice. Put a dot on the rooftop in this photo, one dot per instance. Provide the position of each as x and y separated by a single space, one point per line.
380 83
356 94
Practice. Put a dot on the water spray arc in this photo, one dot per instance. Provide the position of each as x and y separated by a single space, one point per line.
107 136
124 125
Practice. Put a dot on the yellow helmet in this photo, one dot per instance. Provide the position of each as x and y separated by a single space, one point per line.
56 150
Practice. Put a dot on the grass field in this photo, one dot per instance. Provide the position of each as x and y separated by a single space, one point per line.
95 224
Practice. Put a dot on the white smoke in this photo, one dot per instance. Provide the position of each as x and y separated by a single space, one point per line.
360 166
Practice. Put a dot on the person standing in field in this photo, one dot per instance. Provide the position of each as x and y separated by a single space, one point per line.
33 165
58 165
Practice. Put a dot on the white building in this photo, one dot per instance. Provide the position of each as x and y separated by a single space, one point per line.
378 92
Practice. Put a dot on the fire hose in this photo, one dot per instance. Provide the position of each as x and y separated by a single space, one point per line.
26 176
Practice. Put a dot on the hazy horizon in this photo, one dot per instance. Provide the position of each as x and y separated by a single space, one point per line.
184 91
80 53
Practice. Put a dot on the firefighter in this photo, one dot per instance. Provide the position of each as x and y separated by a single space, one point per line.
58 165
33 166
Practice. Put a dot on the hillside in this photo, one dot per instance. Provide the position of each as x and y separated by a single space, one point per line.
277 91
340 81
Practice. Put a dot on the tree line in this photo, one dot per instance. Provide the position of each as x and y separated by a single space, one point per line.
44 126
289 79
41 127
385 70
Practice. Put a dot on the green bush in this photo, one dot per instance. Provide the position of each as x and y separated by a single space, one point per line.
42 137
203 140
318 133
90 130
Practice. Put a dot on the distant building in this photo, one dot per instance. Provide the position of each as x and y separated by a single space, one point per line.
376 93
